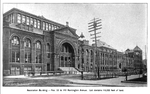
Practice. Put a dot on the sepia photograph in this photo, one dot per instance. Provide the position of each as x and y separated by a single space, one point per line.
74 45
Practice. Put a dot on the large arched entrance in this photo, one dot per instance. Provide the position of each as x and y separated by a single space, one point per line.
67 56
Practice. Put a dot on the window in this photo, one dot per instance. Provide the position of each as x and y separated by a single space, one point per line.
23 19
38 24
52 27
15 50
38 45
27 69
46 26
38 58
43 25
27 43
49 26
18 18
38 52
15 56
15 41
27 57
31 21
55 27
48 50
38 69
35 23
15 70
11 18
27 22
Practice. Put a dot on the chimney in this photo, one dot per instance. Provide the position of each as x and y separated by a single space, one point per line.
67 24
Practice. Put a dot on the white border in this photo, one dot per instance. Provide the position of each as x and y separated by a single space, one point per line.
23 90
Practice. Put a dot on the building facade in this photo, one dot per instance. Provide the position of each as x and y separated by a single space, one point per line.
135 57
34 43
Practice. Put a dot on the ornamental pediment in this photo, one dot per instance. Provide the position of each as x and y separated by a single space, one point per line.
68 32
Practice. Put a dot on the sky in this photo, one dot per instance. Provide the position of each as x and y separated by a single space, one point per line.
123 25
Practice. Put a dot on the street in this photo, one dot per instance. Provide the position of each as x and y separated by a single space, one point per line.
67 81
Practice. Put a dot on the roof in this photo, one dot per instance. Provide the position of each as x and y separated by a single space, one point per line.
34 16
103 44
137 49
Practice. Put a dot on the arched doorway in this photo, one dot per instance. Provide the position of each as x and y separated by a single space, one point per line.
67 55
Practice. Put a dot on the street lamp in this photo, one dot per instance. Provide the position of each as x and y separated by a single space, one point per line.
82 53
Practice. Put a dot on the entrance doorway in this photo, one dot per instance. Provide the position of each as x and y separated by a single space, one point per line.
67 56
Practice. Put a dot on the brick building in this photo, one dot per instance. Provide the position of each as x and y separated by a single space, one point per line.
34 43
135 57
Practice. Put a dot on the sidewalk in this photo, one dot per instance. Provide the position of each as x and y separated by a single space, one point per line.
75 80
109 82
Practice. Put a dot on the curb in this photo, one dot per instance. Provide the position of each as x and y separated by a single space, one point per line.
137 82
98 84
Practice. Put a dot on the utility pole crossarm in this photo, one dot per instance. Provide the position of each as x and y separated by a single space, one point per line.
93 26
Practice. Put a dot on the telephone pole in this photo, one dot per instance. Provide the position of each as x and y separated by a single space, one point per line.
93 26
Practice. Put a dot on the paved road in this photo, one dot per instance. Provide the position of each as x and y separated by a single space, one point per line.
76 81
110 82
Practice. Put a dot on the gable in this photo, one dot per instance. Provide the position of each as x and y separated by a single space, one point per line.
68 32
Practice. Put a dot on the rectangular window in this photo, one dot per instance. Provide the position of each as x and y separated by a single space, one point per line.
27 69
46 26
29 58
27 22
10 18
43 25
18 18
50 27
13 18
13 56
35 23
26 58
39 24
15 70
31 21
38 69
39 58
17 57
23 19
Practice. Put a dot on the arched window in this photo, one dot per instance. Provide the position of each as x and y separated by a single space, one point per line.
15 49
38 52
38 45
27 43
27 46
15 41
